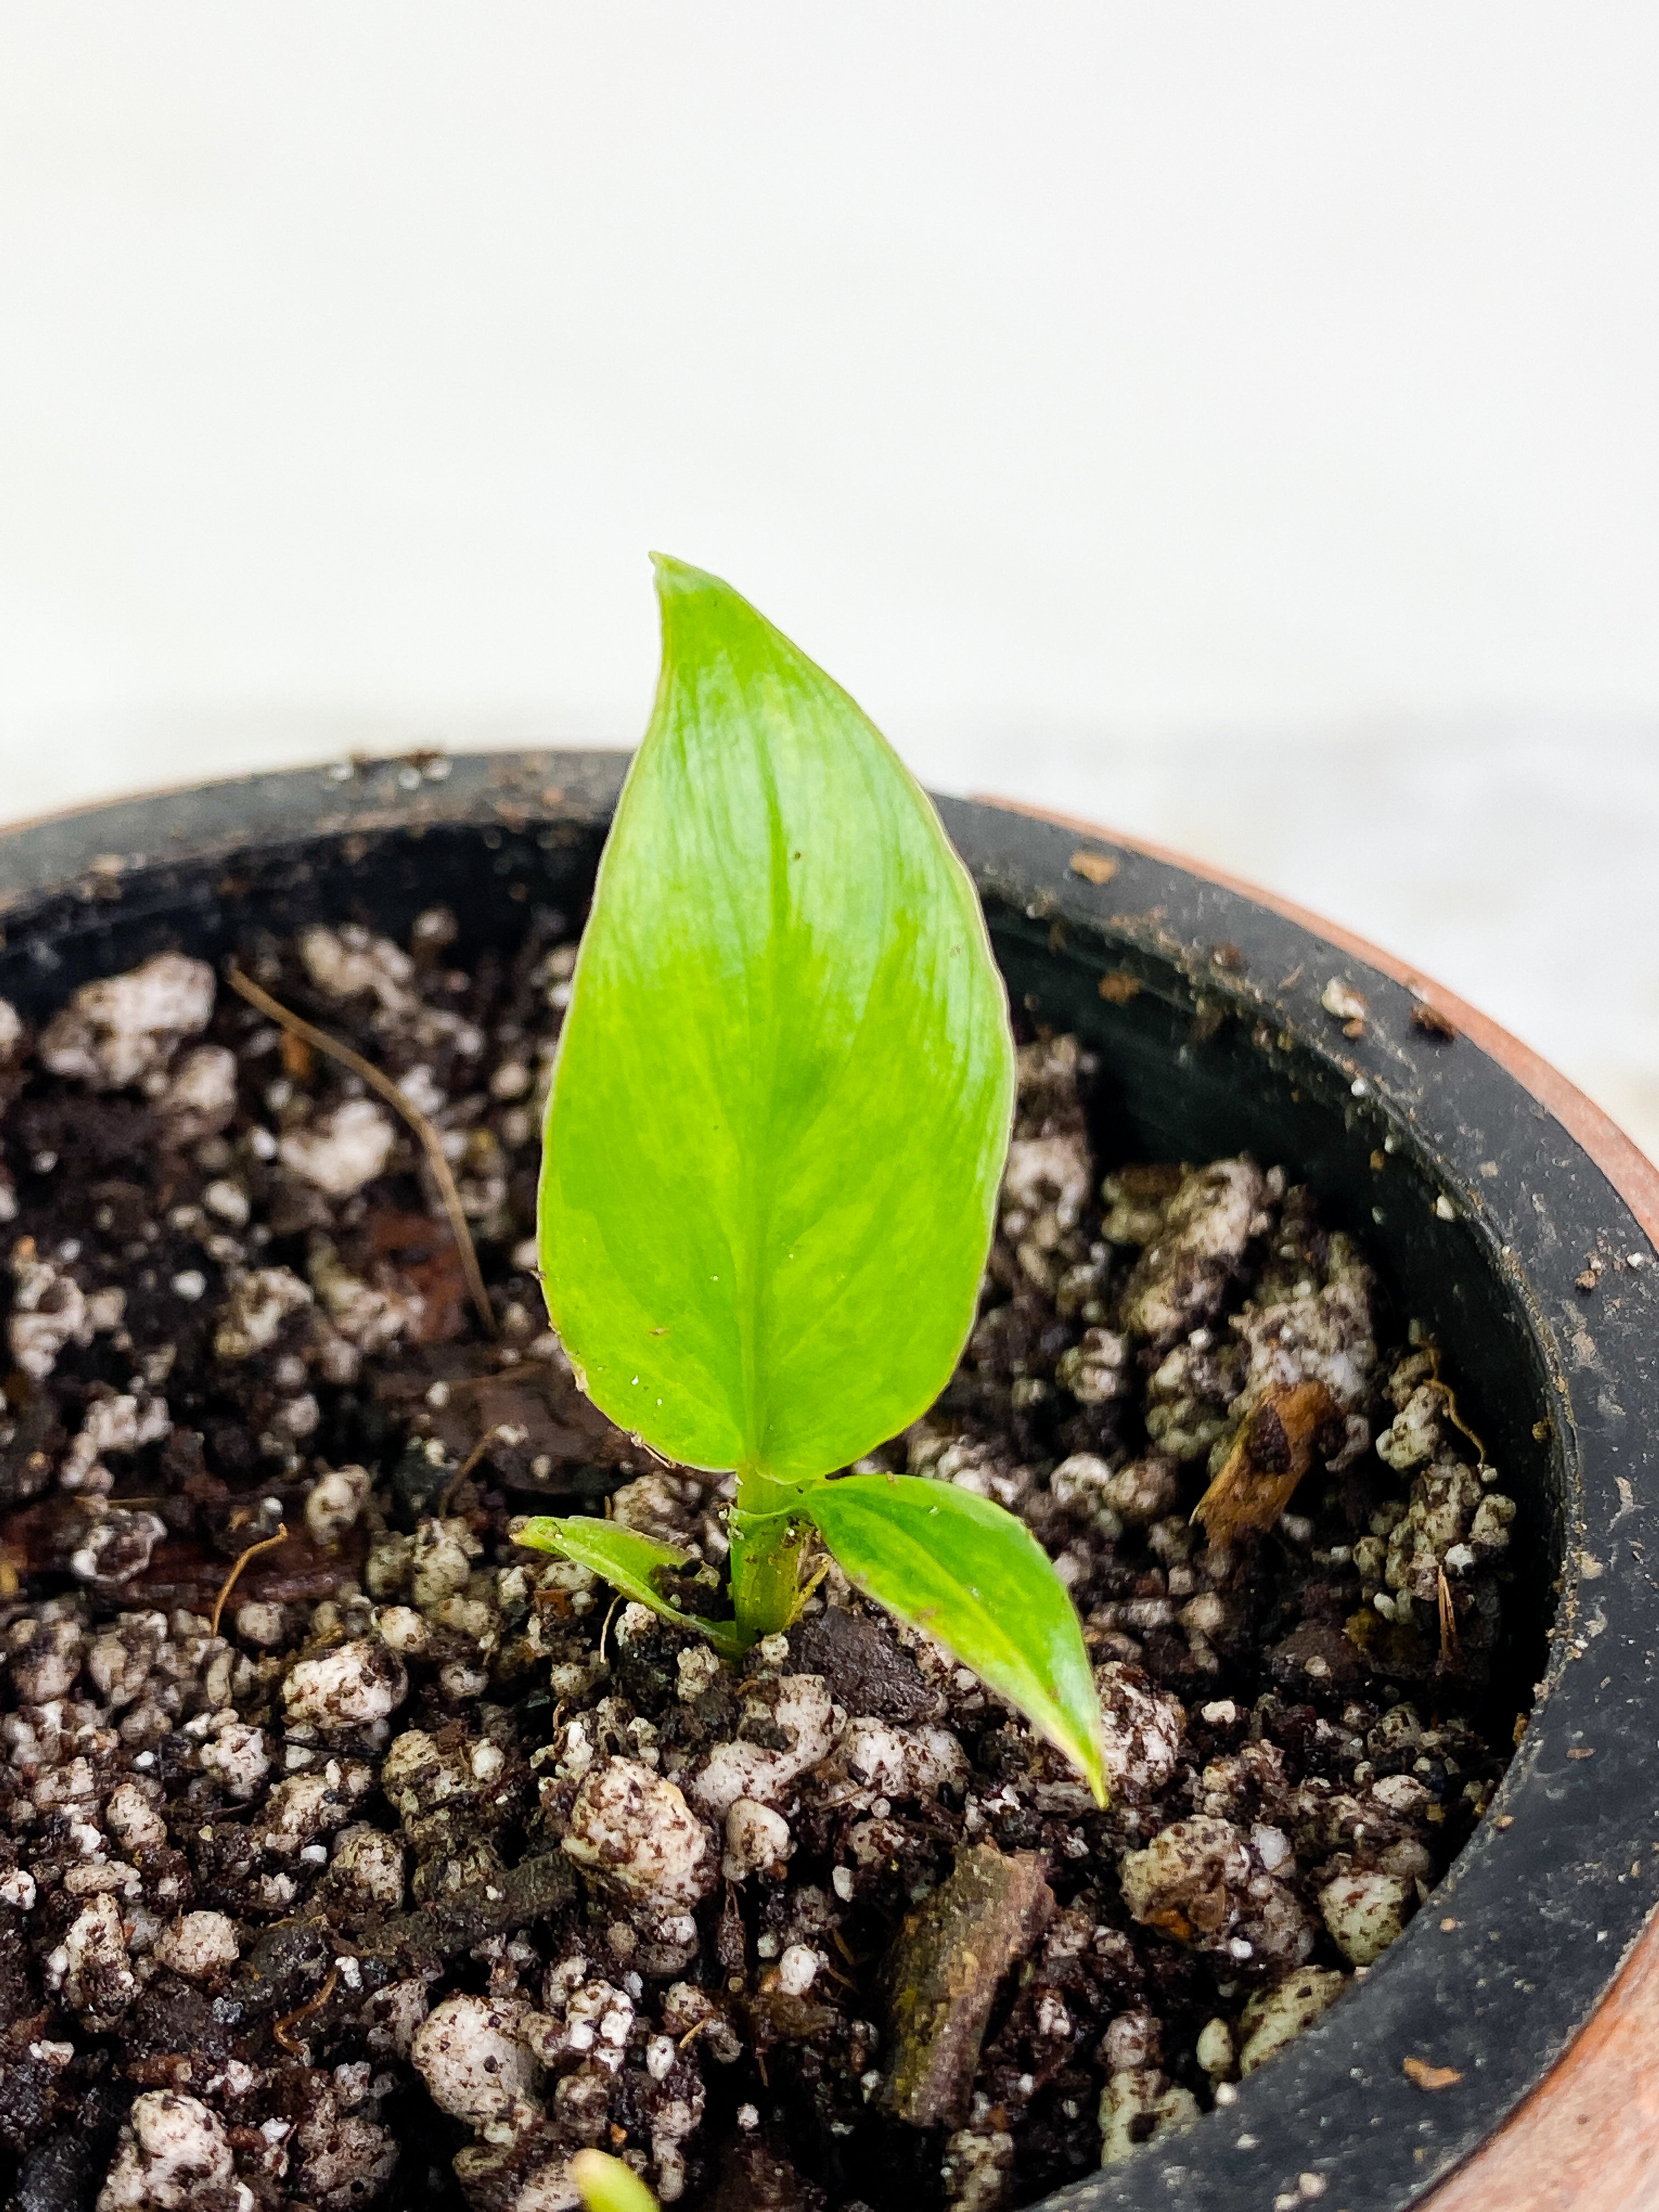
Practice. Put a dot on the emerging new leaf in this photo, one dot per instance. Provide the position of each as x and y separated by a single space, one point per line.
975 1578
607 2185
785 1084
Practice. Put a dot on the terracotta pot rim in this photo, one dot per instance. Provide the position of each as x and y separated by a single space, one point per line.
1626 1165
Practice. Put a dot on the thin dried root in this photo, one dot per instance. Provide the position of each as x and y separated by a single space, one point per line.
606 1632
229 1584
1450 1397
291 2019
478 1452
380 1082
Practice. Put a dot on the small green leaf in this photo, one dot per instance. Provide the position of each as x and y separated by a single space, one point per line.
974 1577
608 2185
628 1562
784 1087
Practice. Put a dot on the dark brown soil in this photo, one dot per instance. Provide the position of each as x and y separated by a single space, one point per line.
434 1864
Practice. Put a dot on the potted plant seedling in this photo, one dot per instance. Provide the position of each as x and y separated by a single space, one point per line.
772 1152
348 1850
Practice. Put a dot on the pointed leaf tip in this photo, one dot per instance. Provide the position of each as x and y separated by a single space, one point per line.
975 1578
676 577
782 1096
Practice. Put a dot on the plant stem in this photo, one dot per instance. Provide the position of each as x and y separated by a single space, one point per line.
769 1535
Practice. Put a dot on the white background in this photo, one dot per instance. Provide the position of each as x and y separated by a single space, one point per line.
1240 423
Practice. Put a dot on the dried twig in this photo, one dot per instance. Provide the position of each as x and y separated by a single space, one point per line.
466 1466
426 1135
229 1581
1448 1620
290 2019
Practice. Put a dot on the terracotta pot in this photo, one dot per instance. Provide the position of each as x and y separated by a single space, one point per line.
1500 1207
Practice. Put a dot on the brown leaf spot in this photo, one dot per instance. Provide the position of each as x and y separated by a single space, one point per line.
1268 1446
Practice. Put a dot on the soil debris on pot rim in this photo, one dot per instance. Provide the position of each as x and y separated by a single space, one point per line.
434 1864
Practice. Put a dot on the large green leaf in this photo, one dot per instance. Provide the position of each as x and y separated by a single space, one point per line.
977 1580
783 1093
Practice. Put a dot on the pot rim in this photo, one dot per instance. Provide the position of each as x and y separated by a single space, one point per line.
1585 2135
1626 1165
1336 2118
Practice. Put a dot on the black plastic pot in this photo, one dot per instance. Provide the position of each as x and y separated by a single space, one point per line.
1488 1219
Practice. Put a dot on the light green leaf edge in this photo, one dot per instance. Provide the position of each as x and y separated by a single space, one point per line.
1002 1611
669 1356
628 1561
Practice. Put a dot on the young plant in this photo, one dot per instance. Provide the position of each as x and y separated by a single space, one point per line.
774 1143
